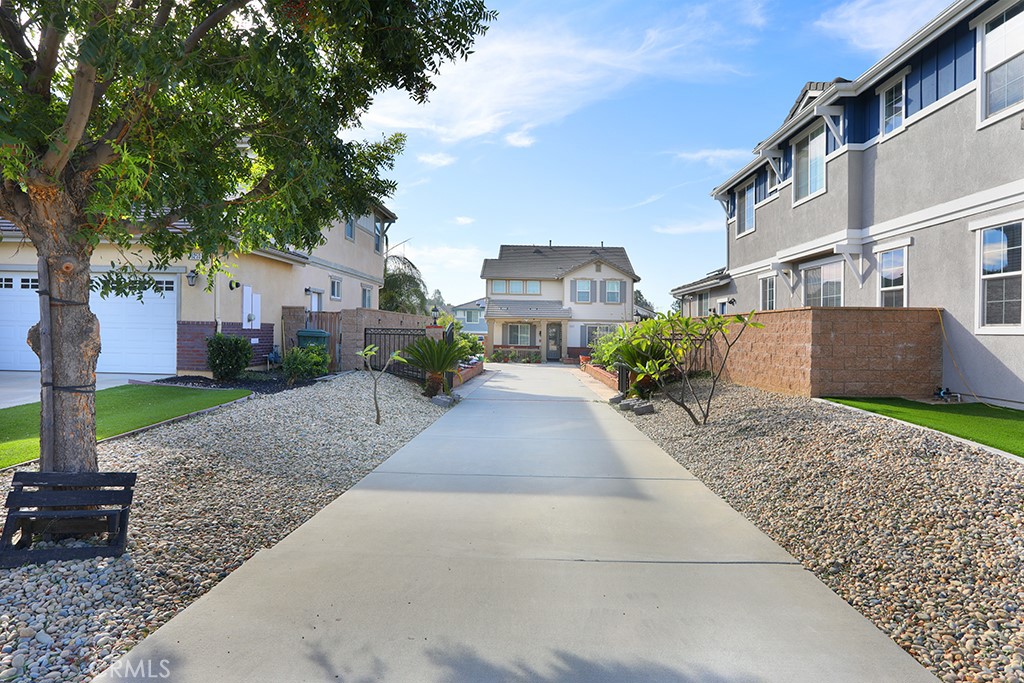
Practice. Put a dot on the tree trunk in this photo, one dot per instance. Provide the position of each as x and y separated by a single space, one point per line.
74 330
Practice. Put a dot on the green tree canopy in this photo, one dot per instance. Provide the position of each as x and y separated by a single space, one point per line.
404 290
194 126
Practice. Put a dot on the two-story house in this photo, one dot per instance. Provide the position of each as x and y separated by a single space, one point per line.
901 188
471 315
556 300
165 332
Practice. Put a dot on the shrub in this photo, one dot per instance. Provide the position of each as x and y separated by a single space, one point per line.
227 356
435 357
473 345
305 362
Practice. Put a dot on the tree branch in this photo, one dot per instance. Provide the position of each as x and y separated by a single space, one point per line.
13 34
14 203
46 61
216 16
79 109
163 13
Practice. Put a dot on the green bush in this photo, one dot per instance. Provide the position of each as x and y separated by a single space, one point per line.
227 356
474 346
305 362
435 357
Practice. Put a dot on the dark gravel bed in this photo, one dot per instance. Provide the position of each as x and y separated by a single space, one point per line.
256 382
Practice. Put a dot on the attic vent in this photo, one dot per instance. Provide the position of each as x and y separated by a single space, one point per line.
537 251
594 252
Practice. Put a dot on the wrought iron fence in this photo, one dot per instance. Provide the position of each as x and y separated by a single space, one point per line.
391 339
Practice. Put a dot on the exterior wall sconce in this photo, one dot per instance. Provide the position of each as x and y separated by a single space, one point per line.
731 301
234 284
192 276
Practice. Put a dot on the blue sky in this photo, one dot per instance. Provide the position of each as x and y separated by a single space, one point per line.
583 122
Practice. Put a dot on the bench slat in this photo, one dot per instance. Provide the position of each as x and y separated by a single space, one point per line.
68 497
16 558
74 478
62 514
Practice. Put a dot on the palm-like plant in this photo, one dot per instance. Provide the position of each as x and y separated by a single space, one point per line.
404 290
435 357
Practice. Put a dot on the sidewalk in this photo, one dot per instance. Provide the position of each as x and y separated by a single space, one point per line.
531 534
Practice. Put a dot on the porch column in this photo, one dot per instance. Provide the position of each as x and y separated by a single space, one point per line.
565 339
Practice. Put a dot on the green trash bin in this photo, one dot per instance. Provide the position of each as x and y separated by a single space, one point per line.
313 338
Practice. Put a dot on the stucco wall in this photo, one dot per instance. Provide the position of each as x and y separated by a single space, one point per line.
597 312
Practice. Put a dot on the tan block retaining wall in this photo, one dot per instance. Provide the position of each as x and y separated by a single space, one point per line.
841 352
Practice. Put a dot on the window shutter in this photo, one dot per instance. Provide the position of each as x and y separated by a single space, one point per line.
622 292
504 333
572 291
533 335
593 291
604 291
583 335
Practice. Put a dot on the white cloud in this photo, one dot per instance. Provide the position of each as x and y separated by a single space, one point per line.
464 220
525 75
520 138
878 26
436 160
649 200
716 157
691 228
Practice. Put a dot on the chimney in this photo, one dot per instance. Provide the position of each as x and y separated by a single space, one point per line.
602 244
549 243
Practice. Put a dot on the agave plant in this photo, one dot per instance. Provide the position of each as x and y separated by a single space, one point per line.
435 357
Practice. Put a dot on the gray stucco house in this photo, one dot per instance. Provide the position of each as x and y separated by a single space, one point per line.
471 315
555 300
901 188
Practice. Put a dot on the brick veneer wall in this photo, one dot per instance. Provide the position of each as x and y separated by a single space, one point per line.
841 352
192 336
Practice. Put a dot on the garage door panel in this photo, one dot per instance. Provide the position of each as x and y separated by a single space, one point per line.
135 336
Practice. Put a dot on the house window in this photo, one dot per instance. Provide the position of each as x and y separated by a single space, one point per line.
519 335
1001 275
515 286
472 317
591 333
583 291
892 278
336 289
703 304
367 301
6 283
30 283
1003 55
823 285
350 229
163 285
768 293
613 293
498 287
809 162
892 108
378 234
745 210
533 286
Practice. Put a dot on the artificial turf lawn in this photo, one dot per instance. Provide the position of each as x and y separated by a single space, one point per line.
118 410
1001 428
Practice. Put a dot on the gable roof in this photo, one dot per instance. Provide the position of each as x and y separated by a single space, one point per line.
552 262
715 278
810 92
475 303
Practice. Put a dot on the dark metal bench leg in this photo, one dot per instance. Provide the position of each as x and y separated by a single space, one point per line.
8 533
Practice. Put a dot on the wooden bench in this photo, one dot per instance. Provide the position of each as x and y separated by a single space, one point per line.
66 502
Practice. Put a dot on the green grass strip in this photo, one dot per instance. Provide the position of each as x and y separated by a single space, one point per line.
1001 428
118 410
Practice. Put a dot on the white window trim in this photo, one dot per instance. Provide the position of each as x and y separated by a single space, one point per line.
465 317
590 292
978 24
618 294
901 80
751 220
978 227
906 278
529 337
496 292
362 299
824 166
768 276
354 227
818 264
338 281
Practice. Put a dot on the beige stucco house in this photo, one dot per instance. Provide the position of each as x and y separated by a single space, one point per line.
556 300
166 331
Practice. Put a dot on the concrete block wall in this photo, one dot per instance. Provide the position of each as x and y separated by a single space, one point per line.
841 352
353 327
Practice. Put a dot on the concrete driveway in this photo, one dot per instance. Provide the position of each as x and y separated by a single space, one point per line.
18 388
530 534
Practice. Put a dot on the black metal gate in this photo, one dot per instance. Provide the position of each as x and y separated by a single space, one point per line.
391 339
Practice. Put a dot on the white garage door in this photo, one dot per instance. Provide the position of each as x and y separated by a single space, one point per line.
135 336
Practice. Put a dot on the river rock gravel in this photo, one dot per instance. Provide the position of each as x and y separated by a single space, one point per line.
921 533
212 491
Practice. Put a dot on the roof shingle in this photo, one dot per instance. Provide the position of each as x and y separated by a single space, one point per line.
526 310
552 262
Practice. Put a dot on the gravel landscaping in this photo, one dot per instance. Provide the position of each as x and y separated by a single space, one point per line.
921 533
212 491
